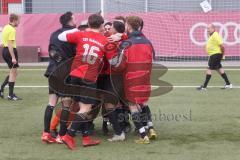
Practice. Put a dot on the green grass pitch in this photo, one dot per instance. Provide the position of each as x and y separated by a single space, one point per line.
206 125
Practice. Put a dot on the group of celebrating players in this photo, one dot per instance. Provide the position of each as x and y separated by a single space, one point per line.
97 66
109 68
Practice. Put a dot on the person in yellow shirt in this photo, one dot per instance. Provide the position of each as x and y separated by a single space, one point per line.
215 51
10 55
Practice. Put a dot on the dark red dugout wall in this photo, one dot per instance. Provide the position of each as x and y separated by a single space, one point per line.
172 34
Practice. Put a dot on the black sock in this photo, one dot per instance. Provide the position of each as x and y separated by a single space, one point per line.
144 118
5 82
146 115
105 120
208 77
79 119
85 132
11 88
74 127
113 118
47 118
136 117
126 119
148 119
224 76
64 120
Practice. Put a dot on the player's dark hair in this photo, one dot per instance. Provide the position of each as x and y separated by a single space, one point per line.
120 18
66 18
119 26
82 27
13 17
108 23
135 22
95 21
141 24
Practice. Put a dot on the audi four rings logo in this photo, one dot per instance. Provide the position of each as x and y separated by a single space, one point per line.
223 31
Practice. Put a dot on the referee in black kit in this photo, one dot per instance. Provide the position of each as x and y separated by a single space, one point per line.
10 55
215 51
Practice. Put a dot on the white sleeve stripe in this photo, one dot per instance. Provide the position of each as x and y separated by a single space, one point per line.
63 35
120 58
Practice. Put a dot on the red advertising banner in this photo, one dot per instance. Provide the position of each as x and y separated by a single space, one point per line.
172 34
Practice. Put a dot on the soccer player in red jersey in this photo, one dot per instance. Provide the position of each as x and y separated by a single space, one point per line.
104 83
135 61
56 119
107 28
84 72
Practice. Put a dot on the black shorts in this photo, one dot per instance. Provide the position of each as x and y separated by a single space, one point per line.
8 59
84 99
214 62
111 83
104 83
50 90
51 67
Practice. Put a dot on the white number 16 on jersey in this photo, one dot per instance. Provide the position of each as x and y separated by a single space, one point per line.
90 56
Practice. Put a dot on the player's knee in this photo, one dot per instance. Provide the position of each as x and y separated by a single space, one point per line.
209 72
133 108
67 101
16 73
53 99
13 72
84 108
221 71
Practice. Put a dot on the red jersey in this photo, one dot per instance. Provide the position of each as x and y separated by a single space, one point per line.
111 49
135 61
124 36
87 63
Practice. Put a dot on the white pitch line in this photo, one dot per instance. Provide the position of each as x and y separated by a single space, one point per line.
26 69
236 87
31 86
196 69
169 69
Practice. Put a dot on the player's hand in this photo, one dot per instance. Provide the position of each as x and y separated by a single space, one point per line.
55 56
115 38
14 61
